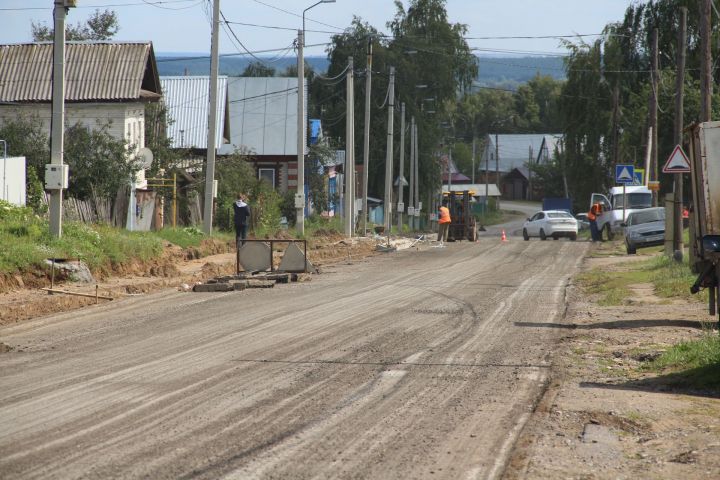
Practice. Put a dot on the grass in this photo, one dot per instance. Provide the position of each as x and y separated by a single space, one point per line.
694 364
26 242
671 280
494 217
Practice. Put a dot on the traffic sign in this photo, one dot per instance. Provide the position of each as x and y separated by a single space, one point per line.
677 162
639 175
624 173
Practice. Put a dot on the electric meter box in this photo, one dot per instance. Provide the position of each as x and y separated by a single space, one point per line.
56 176
299 200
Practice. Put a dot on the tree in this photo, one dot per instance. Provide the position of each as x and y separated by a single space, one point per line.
257 69
99 163
102 25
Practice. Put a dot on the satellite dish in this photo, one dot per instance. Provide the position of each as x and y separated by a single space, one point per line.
146 157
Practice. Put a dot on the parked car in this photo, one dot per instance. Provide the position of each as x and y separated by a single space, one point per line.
583 222
551 223
644 228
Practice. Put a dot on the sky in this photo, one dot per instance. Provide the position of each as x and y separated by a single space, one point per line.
183 25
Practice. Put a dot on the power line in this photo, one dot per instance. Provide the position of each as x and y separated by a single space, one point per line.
297 15
154 3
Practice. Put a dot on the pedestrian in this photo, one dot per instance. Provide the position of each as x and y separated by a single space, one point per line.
595 210
443 223
242 215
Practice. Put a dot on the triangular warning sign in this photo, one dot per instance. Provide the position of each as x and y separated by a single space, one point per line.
625 175
677 162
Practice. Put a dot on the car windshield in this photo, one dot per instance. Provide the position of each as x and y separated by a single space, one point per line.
634 200
559 215
647 216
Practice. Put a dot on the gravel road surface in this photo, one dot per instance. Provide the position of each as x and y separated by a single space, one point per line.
402 366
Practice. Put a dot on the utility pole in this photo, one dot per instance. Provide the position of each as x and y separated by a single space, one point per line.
416 219
706 85
58 116
366 139
497 162
401 172
449 168
679 120
411 190
349 152
653 111
389 153
474 147
487 175
212 122
300 195
530 161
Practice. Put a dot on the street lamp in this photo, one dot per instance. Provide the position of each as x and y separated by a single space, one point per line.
300 195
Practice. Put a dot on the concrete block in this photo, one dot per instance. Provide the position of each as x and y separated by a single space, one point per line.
213 287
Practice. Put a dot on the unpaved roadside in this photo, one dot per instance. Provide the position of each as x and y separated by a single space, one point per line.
25 299
602 416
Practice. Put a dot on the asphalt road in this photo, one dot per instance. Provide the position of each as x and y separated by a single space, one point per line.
419 364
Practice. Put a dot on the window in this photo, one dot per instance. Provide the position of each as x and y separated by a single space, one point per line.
267 174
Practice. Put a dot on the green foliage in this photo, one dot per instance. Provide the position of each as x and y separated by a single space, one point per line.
182 237
26 137
102 25
693 364
99 163
27 242
34 191
257 69
320 156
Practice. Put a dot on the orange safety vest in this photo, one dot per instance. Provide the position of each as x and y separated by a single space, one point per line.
444 215
595 210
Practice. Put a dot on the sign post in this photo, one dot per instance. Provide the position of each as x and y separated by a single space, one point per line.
624 174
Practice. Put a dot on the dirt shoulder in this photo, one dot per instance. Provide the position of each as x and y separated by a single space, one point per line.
603 415
22 297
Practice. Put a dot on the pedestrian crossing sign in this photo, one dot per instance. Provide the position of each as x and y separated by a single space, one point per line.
639 175
624 173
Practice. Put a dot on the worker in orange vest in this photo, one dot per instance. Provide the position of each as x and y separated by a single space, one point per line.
594 212
443 224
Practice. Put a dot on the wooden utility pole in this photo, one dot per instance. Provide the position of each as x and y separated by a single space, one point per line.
474 149
616 124
678 131
349 203
416 220
653 112
366 139
530 162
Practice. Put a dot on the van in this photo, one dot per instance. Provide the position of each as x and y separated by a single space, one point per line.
610 222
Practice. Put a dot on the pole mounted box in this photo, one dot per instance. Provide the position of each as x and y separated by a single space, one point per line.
56 176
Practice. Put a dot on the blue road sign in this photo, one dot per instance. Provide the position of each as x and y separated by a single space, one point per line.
624 173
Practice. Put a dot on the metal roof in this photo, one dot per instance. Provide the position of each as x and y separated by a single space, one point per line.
94 71
187 100
263 115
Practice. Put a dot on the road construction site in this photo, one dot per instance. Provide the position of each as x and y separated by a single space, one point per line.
402 365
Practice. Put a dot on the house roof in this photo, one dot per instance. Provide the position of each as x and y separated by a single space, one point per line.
94 71
513 149
263 115
187 101
550 143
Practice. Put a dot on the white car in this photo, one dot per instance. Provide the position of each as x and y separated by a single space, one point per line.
551 223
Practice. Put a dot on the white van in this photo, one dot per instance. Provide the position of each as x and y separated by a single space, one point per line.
610 221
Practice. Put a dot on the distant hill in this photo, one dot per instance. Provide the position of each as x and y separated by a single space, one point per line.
493 71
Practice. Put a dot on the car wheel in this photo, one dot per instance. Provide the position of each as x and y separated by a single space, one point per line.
525 235
573 236
630 250
542 235
555 237
608 232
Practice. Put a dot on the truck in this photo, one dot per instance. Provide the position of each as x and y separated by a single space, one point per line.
557 203
704 221
616 207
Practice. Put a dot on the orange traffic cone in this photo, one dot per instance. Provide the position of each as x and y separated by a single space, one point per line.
503 238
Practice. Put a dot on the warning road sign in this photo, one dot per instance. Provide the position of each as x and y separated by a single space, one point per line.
624 173
677 162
